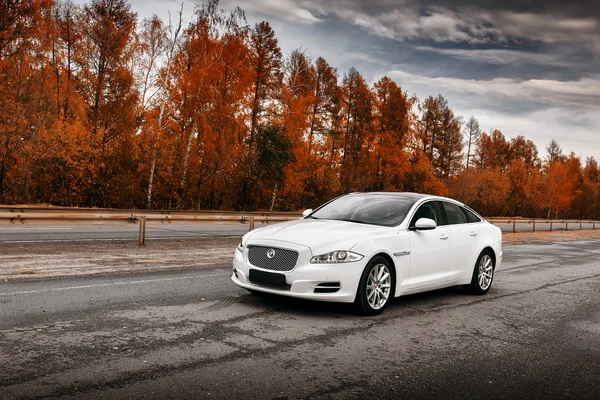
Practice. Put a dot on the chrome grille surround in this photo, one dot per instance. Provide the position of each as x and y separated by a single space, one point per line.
283 260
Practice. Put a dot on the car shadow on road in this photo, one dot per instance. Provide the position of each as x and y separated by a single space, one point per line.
290 305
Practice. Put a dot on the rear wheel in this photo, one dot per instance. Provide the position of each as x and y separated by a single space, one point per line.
375 289
483 274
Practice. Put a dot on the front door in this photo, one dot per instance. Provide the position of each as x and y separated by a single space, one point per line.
429 249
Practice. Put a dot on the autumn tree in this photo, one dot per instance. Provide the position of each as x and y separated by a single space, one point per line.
485 190
525 151
440 136
266 67
266 71
587 202
562 179
592 170
297 99
492 151
357 99
448 160
421 178
66 17
326 103
472 132
274 154
105 84
27 91
98 111
391 125
428 126
319 176
554 152
157 43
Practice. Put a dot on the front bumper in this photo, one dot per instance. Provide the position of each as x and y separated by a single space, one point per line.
305 277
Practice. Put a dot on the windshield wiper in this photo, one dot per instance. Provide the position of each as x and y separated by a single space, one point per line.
355 221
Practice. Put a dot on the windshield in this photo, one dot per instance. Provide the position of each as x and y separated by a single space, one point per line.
371 209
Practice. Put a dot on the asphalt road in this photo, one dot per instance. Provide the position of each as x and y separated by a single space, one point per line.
48 233
193 334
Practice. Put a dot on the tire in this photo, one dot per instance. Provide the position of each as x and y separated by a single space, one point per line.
483 274
366 302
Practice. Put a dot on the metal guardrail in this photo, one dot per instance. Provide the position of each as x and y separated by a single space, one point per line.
35 215
534 222
57 215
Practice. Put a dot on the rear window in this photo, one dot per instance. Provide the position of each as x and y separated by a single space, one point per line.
454 214
471 217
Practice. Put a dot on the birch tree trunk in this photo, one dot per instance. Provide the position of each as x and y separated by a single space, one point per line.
273 197
162 108
186 159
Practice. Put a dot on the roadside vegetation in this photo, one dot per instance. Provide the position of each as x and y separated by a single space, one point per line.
101 109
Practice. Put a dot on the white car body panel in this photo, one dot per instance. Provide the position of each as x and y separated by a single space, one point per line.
423 260
429 257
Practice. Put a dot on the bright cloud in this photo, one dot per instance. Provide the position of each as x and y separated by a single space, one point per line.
584 92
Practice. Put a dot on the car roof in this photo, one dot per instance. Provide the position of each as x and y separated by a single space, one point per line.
407 195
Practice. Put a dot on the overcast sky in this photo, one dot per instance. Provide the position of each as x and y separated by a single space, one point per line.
527 68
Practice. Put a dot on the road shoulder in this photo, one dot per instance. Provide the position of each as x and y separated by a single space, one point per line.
20 261
26 261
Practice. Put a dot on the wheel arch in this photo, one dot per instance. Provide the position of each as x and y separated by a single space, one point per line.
392 264
492 252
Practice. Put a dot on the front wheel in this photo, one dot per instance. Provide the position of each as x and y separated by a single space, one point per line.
375 289
483 275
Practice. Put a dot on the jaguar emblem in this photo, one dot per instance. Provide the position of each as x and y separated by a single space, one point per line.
271 253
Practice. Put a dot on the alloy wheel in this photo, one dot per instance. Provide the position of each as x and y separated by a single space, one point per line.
485 272
379 285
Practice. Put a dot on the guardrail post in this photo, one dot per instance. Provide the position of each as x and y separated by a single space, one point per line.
566 225
593 225
252 222
533 225
514 226
551 226
580 225
142 219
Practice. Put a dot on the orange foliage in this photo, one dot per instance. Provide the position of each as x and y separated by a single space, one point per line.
98 110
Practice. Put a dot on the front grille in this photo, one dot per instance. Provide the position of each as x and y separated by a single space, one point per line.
282 260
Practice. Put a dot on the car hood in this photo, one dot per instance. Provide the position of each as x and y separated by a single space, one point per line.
319 235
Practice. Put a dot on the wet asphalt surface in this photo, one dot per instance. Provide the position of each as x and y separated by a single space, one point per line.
193 334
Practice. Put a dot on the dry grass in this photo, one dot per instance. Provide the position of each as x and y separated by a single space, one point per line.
548 237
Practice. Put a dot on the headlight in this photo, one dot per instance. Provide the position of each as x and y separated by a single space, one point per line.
240 247
339 256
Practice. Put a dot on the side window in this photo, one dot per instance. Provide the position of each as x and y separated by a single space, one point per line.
429 210
470 216
454 214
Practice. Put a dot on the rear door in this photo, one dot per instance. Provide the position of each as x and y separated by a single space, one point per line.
430 249
462 240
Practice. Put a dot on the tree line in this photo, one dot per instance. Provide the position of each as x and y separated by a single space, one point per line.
101 110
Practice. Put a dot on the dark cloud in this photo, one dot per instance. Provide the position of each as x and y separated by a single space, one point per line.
579 8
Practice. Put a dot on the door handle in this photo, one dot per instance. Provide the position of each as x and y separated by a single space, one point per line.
473 233
444 236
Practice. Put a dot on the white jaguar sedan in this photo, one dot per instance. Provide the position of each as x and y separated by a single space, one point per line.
364 248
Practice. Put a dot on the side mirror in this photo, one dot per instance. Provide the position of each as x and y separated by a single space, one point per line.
425 224
306 212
